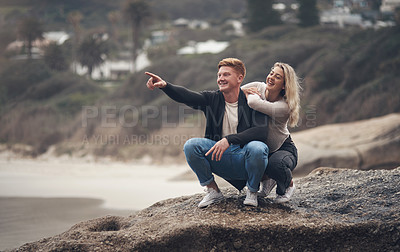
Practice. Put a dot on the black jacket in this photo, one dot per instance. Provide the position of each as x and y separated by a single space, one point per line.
252 125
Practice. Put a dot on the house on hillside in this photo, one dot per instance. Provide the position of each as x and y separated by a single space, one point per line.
192 24
159 37
115 69
389 6
58 37
210 46
340 17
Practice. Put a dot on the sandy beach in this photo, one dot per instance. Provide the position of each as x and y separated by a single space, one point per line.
41 198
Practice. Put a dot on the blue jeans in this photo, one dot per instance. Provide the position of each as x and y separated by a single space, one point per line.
247 163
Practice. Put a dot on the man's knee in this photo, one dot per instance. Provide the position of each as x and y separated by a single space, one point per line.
257 148
195 145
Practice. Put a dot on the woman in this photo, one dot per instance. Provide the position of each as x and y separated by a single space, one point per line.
279 98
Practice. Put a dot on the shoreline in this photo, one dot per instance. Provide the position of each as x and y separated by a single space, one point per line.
121 185
43 198
28 219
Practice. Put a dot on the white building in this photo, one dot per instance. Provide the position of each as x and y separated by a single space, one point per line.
341 17
58 37
389 6
210 46
115 69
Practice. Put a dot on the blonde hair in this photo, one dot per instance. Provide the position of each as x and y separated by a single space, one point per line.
236 64
291 93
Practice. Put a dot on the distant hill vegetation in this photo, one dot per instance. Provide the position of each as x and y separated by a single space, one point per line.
54 13
348 75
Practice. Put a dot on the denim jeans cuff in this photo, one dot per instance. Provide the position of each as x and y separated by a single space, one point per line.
251 189
207 182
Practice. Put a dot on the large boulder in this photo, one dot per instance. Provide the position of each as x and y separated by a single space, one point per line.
364 145
332 210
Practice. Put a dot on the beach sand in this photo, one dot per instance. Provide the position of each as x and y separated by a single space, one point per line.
42 198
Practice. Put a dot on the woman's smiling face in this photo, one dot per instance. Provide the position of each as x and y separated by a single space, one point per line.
276 80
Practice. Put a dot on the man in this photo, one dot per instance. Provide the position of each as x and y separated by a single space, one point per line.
234 146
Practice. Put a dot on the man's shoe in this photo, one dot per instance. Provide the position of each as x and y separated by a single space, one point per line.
266 187
286 197
212 196
251 198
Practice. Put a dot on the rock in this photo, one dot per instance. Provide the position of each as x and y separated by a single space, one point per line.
331 210
364 145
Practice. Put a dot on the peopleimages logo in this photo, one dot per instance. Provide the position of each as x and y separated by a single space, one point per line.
156 139
110 116
131 116
311 116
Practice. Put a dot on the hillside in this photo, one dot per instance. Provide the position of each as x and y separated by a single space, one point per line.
54 12
348 75
332 210
342 72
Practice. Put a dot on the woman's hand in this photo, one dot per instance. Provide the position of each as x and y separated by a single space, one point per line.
155 81
250 90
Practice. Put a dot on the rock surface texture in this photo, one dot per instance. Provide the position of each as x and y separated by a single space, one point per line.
364 145
331 210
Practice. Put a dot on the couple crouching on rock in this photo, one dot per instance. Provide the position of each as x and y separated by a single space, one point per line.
247 141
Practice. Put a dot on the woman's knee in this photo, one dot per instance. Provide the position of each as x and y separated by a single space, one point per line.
280 164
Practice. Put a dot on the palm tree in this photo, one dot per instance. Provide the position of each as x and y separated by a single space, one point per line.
30 29
136 12
91 52
114 18
74 18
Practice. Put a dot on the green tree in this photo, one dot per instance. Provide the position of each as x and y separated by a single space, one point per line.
136 12
260 15
30 29
91 52
55 57
308 13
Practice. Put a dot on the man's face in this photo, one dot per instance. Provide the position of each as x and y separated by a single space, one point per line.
228 79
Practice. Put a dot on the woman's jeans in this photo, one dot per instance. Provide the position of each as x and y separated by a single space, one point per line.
247 163
281 164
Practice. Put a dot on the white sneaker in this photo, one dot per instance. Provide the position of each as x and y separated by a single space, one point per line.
251 198
286 197
212 196
266 187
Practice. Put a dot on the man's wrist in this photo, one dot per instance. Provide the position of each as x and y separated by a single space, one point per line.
227 139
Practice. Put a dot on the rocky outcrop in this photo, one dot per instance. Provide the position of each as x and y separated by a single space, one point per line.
332 210
364 145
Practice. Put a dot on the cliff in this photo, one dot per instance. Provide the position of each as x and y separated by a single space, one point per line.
332 210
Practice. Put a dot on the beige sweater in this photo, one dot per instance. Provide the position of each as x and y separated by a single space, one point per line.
278 112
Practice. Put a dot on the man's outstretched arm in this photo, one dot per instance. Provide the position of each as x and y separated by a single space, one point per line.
177 93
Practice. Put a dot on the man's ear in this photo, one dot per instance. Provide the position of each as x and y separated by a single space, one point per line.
240 78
